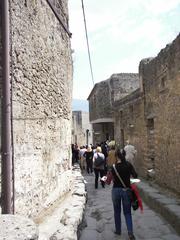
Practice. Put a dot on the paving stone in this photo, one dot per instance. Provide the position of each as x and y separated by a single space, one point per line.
147 225
91 222
89 234
171 237
98 223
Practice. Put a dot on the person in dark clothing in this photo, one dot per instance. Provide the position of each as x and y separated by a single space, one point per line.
104 148
119 193
76 153
89 159
73 153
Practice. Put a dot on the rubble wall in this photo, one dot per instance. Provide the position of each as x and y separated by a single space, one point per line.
41 69
105 93
161 82
130 125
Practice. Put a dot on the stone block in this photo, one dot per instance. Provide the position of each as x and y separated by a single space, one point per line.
15 227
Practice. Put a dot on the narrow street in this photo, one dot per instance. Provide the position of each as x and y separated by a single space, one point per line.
99 222
80 80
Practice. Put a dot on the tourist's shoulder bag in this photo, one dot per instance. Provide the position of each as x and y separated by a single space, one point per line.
130 191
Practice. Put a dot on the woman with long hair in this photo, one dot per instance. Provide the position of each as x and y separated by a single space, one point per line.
120 194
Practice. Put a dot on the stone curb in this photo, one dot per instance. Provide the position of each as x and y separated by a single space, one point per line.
63 223
167 207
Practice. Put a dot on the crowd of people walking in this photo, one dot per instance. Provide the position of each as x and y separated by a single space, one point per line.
85 155
110 164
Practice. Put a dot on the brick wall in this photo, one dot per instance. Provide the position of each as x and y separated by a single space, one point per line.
161 81
41 67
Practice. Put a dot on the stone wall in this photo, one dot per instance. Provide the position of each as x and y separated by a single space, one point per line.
122 84
161 81
41 68
106 92
101 100
130 125
149 117
99 106
17 228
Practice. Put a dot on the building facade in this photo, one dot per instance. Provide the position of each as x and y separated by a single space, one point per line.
160 77
101 100
81 128
148 117
130 125
146 112
41 95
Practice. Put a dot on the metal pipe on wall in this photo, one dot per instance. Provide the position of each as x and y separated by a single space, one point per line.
6 182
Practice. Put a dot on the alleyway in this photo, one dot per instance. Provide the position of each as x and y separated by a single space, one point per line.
99 223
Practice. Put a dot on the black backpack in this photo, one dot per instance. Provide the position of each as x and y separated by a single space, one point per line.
99 161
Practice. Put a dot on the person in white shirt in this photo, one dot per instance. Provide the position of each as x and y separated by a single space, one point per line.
130 152
98 162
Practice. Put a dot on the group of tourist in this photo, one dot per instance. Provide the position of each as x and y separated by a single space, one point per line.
85 155
111 163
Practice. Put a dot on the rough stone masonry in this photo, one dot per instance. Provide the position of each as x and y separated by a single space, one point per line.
41 76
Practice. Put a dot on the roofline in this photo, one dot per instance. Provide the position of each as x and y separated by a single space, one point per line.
92 91
113 75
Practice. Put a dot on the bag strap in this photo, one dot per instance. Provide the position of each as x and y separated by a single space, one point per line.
119 176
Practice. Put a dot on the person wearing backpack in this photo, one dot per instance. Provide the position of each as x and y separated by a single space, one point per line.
98 162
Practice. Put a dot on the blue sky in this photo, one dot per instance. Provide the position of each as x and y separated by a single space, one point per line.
121 33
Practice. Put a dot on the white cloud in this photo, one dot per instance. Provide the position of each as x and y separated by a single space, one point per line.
160 6
121 33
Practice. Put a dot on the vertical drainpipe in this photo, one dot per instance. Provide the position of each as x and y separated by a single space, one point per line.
6 181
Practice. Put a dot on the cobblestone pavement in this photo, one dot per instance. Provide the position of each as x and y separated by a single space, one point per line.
98 221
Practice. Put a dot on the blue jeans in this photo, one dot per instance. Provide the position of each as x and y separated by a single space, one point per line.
118 195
